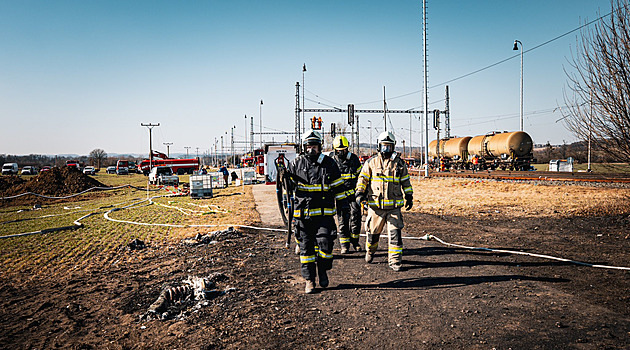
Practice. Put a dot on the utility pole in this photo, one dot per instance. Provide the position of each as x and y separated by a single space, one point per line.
232 145
251 135
150 127
216 155
425 103
303 126
222 152
245 133
260 126
187 148
197 152
168 144
384 110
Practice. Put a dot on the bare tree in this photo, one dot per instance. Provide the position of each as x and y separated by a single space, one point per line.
599 106
97 155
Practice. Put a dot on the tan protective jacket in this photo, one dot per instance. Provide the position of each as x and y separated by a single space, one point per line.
385 181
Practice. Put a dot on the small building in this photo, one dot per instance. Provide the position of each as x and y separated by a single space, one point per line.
561 165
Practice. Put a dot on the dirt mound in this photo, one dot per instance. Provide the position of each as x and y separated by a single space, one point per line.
7 182
54 182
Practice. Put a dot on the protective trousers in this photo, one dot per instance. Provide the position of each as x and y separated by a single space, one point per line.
316 237
349 223
374 224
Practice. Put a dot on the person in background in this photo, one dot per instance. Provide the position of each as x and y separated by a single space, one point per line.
225 173
349 220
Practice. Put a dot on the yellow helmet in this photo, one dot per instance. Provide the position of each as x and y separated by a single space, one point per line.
340 142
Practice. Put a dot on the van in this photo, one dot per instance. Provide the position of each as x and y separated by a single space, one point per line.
122 167
9 169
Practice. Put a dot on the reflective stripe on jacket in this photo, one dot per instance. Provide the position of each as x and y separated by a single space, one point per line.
385 181
350 167
318 185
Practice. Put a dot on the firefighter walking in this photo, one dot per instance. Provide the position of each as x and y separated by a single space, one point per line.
318 189
384 182
349 220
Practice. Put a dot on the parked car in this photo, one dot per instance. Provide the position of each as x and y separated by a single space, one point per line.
89 170
29 170
10 169
111 169
44 168
163 175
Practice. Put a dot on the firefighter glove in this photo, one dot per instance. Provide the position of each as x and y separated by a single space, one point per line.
360 197
408 201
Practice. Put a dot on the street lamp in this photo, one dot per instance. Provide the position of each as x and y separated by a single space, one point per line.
516 42
168 144
187 148
232 144
303 126
369 121
260 126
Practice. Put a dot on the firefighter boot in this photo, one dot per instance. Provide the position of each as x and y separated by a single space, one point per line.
369 257
310 287
345 249
323 278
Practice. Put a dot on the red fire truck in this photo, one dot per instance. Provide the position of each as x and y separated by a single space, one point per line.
179 166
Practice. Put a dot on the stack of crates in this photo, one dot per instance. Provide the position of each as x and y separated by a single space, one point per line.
201 186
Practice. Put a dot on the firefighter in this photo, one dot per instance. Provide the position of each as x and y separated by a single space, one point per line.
349 220
225 173
318 188
384 182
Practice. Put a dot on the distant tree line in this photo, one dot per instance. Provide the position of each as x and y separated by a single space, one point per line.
577 150
98 158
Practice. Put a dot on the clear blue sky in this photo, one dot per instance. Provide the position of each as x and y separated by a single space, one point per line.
80 75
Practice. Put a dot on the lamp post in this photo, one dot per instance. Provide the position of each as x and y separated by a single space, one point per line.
303 126
369 121
168 144
232 144
187 148
222 153
516 44
245 133
150 127
260 126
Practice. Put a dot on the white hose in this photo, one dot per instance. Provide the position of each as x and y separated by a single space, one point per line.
72 195
428 237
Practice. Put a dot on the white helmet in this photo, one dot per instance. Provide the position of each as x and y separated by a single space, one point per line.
386 137
312 137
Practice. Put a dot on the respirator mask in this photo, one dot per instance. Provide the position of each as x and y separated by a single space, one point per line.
386 149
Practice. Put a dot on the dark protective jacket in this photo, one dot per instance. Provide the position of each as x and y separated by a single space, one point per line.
317 186
350 167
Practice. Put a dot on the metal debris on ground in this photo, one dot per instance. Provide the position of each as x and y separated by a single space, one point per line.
136 244
213 237
175 300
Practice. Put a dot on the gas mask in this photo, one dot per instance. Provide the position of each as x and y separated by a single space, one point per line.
312 153
342 153
386 149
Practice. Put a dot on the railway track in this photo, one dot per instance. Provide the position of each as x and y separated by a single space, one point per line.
550 176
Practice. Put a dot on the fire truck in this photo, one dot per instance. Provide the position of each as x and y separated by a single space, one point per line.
179 166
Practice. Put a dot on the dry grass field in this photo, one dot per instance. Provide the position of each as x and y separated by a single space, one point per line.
84 288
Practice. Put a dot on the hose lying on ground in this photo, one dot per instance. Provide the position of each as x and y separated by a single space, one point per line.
76 194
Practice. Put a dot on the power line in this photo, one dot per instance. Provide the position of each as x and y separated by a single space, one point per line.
496 63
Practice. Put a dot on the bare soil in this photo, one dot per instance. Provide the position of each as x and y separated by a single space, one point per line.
446 298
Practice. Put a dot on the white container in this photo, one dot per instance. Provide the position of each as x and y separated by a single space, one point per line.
201 186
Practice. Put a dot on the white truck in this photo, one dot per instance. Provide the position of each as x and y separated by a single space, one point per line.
287 151
163 175
9 169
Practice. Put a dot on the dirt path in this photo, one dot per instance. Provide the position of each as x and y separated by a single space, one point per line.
267 205
455 298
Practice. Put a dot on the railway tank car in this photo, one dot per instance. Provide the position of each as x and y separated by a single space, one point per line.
453 151
503 150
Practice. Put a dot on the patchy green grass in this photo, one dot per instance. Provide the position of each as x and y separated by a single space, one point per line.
99 239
